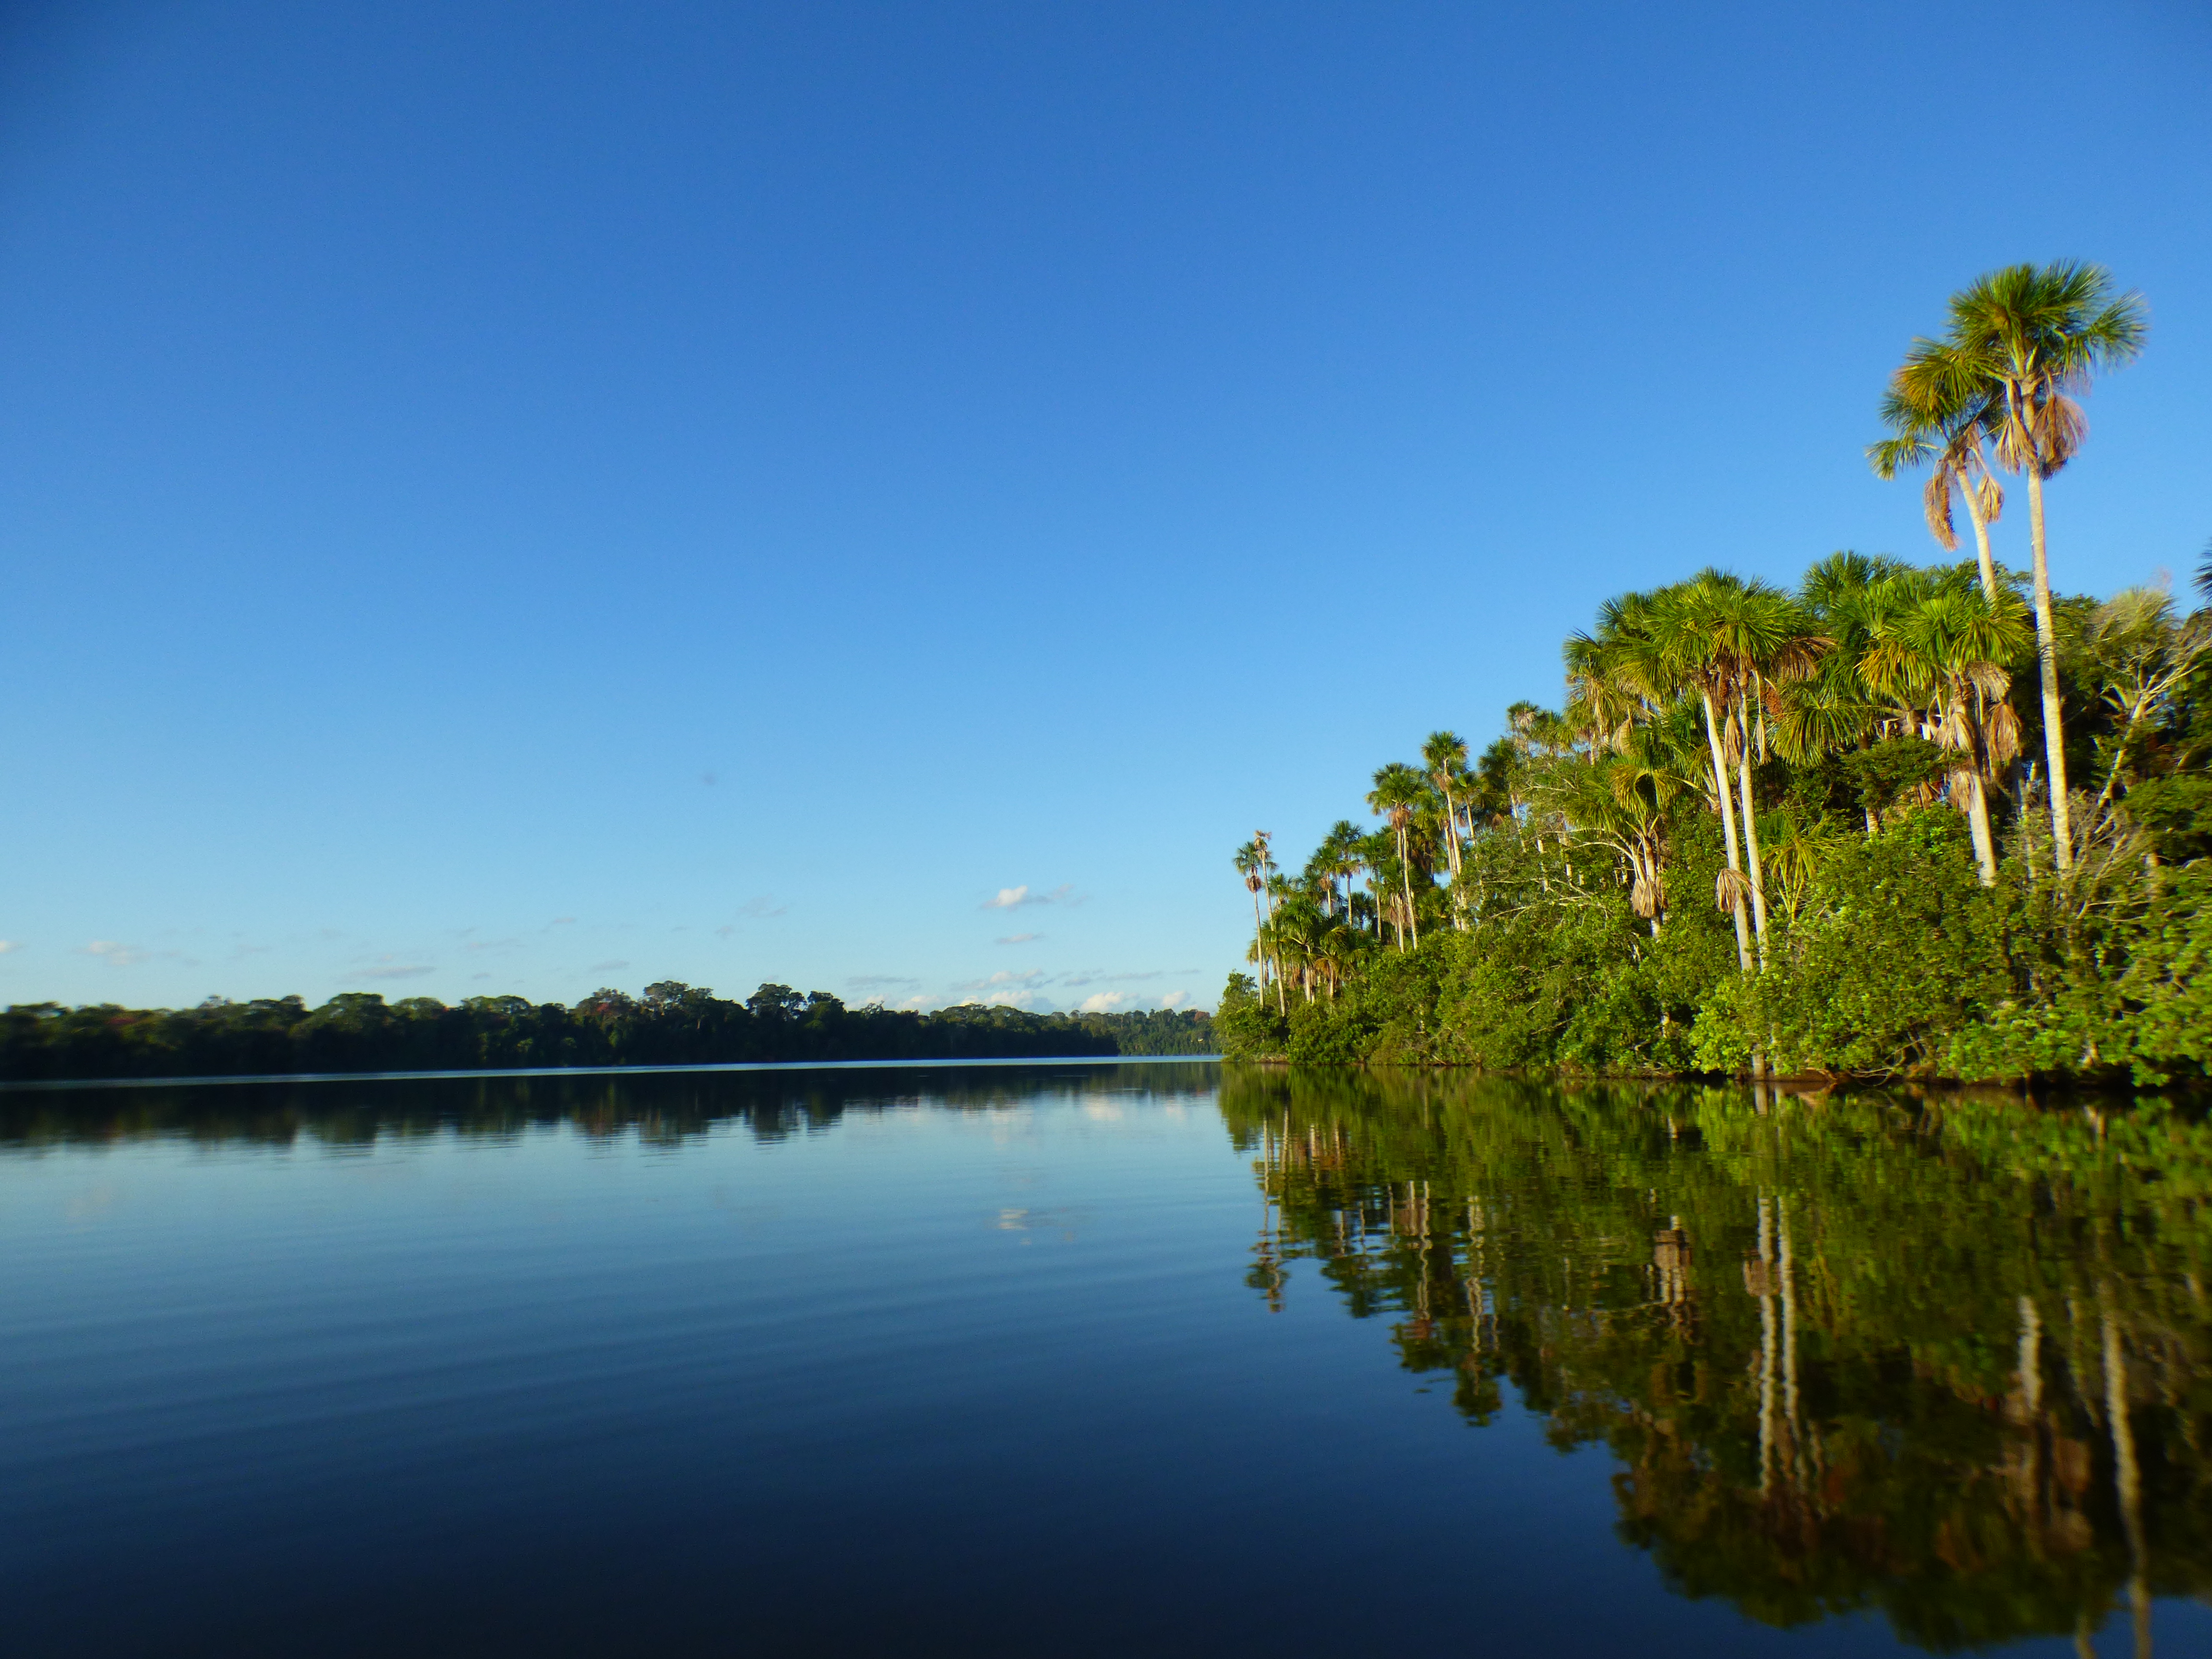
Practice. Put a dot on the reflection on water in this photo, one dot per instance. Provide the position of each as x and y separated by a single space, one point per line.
662 1109
1946 1360
588 1362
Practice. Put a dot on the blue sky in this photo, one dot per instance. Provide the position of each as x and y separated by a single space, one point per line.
516 498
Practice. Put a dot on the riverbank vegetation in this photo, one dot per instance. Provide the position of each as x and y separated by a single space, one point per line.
1898 819
670 1025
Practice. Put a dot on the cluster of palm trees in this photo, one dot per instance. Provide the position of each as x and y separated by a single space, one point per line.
2023 341
1687 693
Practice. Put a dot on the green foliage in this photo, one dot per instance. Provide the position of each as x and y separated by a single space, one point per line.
670 1025
1574 904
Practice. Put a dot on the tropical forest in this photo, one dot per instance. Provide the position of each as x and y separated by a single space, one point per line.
1934 818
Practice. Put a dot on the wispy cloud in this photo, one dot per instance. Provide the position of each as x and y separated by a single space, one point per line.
395 971
1004 977
562 922
1095 976
1013 898
115 955
7 944
759 908
1018 939
606 967
879 982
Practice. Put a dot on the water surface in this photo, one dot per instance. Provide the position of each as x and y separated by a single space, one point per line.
1097 1359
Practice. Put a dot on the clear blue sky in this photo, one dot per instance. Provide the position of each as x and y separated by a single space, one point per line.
525 497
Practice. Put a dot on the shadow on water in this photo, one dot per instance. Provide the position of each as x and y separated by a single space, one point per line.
1946 1359
662 1108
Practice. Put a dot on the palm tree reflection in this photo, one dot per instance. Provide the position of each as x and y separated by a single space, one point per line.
1943 1359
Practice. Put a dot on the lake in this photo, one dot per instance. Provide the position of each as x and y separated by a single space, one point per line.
1098 1359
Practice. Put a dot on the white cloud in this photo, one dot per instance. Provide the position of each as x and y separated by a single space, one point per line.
1012 1000
1102 1002
7 944
1175 999
396 970
118 956
1013 898
606 967
1018 939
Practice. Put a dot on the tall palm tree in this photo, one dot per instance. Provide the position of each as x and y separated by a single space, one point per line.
1936 420
1738 642
1252 863
1396 798
1445 756
1339 859
2023 341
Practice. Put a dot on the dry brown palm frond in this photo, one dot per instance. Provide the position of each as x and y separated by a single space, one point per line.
1989 498
1989 678
2001 734
1731 889
1936 504
1646 897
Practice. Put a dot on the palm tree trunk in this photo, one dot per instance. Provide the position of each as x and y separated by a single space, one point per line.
1751 843
1981 541
1406 876
2047 661
1726 798
1978 816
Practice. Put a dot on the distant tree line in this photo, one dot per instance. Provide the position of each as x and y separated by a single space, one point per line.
670 1025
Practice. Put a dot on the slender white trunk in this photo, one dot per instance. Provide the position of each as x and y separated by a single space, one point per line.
1751 842
1726 798
1981 540
1978 816
2047 661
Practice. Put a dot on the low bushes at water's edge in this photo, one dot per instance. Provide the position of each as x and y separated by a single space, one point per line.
1894 960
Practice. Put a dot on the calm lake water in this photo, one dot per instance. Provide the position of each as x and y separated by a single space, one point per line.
1097 1359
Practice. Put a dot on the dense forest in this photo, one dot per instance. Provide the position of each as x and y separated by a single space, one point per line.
1901 819
1943 1359
670 1025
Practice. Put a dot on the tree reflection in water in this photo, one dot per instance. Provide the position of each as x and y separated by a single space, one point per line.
1946 1357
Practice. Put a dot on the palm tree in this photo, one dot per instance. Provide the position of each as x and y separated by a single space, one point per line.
1338 860
1252 862
1741 641
2022 342
1445 756
1936 422
1952 650
1396 797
